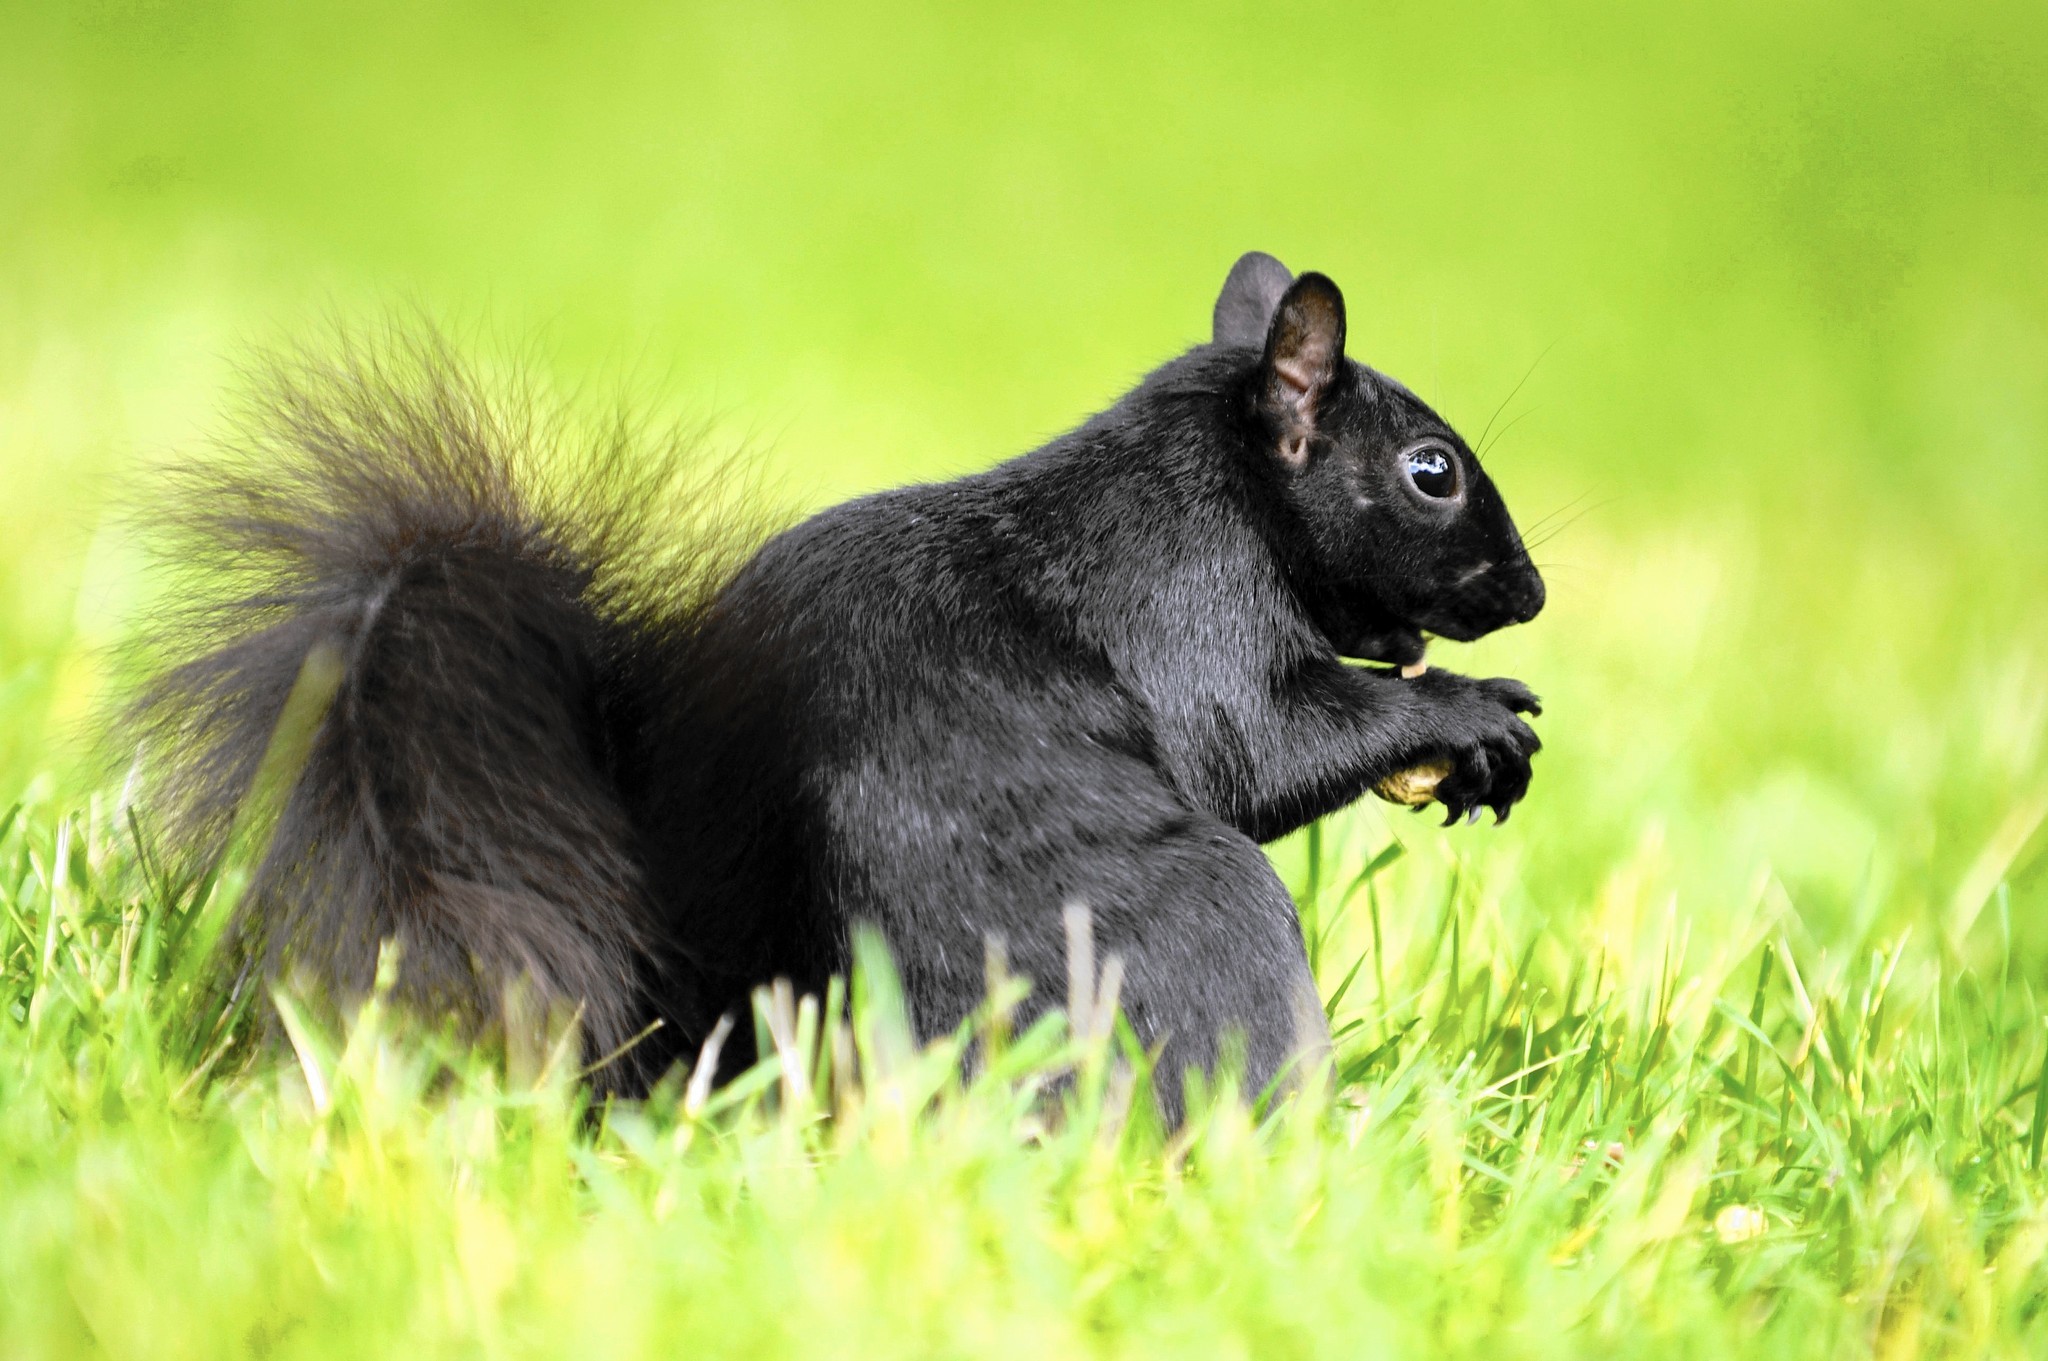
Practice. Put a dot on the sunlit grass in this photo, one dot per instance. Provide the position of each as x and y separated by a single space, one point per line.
1667 1147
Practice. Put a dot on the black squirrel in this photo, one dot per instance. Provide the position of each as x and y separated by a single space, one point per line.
576 743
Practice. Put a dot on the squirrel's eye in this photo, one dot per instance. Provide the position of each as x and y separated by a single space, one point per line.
1433 471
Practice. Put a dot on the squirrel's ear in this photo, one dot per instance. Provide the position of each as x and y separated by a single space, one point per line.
1244 309
1304 356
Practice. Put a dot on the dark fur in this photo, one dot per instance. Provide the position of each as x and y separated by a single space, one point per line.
570 746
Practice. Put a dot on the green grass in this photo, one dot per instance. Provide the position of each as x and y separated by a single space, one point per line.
1730 1043
1668 1148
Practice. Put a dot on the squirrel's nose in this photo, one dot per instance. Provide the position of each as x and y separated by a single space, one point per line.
1529 594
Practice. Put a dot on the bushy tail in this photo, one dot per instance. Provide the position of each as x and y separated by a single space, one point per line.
487 584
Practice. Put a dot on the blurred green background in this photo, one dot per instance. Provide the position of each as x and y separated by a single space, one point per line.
1757 292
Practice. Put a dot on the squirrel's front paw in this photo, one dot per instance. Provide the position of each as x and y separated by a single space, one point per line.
1481 732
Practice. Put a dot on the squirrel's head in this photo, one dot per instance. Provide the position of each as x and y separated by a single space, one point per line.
1397 529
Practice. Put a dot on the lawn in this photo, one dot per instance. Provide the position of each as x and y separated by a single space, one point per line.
1731 1042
